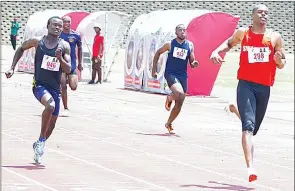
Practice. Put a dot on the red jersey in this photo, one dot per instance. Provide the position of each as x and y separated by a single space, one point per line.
257 58
98 41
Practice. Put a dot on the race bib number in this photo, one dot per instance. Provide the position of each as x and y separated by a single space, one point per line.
179 53
257 54
50 63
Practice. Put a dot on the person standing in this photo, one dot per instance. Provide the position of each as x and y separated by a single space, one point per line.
97 54
14 32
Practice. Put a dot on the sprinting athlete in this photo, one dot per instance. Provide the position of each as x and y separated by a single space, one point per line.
52 56
181 51
261 53
74 39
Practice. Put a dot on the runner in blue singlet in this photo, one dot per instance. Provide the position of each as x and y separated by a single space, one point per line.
52 56
180 51
74 39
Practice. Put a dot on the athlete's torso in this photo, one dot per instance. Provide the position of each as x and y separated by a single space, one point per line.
74 39
178 57
256 59
47 68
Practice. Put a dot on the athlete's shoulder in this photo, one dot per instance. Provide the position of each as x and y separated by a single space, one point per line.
274 33
75 33
242 30
64 44
189 42
37 38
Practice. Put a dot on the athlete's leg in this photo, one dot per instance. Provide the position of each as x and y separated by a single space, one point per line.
55 113
73 83
247 108
262 98
44 97
178 86
171 79
180 96
64 94
73 80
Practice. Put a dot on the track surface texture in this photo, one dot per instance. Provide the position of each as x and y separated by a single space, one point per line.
115 139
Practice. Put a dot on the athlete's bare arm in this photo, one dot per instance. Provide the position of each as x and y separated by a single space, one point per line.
232 41
65 59
279 56
30 43
164 48
193 62
80 52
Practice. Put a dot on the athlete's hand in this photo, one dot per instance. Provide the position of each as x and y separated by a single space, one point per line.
195 64
80 67
278 57
58 53
215 58
9 73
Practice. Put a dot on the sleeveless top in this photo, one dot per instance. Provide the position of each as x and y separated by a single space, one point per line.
257 58
178 58
47 67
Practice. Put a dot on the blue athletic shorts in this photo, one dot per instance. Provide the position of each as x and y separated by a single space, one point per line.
172 79
40 90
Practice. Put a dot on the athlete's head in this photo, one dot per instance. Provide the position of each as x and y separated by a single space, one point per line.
260 14
97 28
180 31
54 26
67 22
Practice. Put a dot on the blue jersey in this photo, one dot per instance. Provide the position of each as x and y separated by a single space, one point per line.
178 58
74 39
47 68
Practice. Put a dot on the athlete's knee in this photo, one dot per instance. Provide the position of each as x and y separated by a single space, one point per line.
50 105
248 126
73 86
179 95
179 103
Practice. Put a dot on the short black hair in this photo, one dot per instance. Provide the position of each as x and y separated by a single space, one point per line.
179 25
54 17
255 7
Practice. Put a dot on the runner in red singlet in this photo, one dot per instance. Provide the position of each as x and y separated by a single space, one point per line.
261 53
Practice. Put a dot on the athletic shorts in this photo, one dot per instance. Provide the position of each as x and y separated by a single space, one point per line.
252 100
40 90
72 72
172 79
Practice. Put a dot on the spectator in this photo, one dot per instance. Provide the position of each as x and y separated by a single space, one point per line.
14 32
97 54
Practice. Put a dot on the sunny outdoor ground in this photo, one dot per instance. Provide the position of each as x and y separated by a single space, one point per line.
115 139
